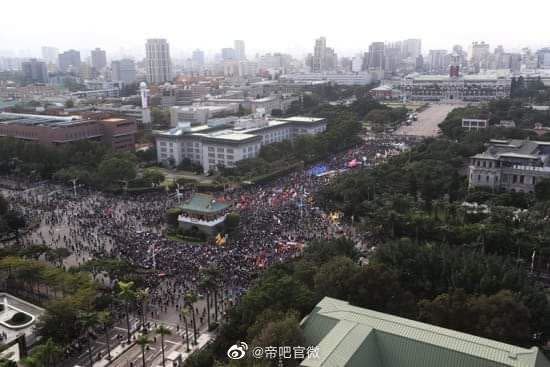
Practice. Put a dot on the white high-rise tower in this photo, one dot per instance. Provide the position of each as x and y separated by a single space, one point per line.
145 112
159 68
240 52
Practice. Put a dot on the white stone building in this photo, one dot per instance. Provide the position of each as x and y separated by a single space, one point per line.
212 146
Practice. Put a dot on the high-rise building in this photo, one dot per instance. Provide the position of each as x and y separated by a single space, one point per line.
35 71
69 60
376 55
462 55
543 58
324 58
158 64
392 54
331 59
86 71
411 48
240 53
123 70
438 61
515 62
357 63
99 59
198 58
228 54
49 54
319 51
480 56
528 59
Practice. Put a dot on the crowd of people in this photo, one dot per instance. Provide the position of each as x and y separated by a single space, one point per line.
276 220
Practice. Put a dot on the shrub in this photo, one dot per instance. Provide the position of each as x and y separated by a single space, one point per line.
19 318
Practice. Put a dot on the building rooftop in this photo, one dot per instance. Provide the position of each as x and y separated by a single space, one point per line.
382 88
352 336
468 77
203 203
240 131
265 99
230 135
301 119
30 119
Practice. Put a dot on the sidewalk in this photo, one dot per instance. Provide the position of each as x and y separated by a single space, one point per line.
202 341
117 351
120 349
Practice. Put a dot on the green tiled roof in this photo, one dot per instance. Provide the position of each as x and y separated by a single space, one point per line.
350 336
202 203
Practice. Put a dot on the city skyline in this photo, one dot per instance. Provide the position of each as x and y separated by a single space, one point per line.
346 27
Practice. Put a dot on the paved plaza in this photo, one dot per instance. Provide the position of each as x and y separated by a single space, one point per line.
427 123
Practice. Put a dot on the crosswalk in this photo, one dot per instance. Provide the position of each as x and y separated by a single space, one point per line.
135 323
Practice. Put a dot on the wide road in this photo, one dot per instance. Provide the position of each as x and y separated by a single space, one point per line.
427 121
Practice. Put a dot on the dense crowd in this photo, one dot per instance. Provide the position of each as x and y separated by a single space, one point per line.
276 219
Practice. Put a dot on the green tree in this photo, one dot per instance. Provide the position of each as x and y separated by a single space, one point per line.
189 300
89 322
184 312
501 317
128 296
163 331
7 363
106 321
115 170
142 296
281 332
206 284
542 190
48 354
450 310
143 341
215 277
379 289
232 221
172 216
153 175
332 277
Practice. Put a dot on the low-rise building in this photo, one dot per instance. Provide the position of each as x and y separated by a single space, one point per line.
477 87
96 93
203 213
475 124
384 92
198 115
510 165
213 145
336 78
58 130
273 102
339 334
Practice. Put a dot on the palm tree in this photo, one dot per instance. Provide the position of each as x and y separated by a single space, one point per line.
89 320
206 285
162 331
143 341
189 299
142 295
184 315
106 321
45 355
128 295
7 363
214 274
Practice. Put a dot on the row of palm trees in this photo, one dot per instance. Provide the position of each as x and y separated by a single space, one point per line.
129 296
143 341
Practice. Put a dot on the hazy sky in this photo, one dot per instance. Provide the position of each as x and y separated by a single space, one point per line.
275 25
